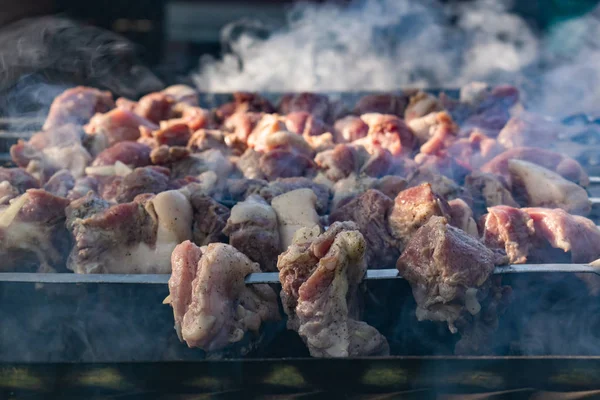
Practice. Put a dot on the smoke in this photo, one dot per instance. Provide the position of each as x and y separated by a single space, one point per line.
389 44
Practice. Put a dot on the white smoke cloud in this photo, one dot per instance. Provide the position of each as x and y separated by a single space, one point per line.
391 44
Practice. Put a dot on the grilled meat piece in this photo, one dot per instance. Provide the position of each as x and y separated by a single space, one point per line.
561 164
540 187
212 306
295 210
305 124
510 229
210 218
52 150
461 216
387 132
413 208
155 107
14 182
370 212
539 235
320 278
476 150
445 267
140 181
115 126
130 238
349 129
76 106
129 153
32 233
60 184
575 235
252 229
487 190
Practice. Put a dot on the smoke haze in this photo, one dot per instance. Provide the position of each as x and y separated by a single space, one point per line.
389 44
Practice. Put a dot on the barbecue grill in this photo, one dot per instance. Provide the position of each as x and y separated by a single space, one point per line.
88 335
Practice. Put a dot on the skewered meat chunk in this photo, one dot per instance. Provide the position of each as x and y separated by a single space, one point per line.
210 218
295 210
32 233
182 94
320 278
572 234
83 186
510 229
76 106
461 216
252 229
487 191
50 151
305 124
60 184
445 267
541 235
413 208
14 182
240 126
347 189
540 187
559 163
140 181
476 150
349 129
118 125
132 154
370 212
387 132
130 238
212 306
155 107
284 185
172 133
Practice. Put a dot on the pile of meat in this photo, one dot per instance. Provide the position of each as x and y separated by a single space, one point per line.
443 189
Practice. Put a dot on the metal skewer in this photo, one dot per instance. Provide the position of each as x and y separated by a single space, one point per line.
266 277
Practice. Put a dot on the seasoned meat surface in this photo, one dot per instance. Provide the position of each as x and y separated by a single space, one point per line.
136 237
320 277
252 229
412 209
212 306
77 105
540 187
370 212
445 266
33 237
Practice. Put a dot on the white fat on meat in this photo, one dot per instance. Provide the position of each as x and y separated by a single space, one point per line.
248 211
295 210
544 188
173 214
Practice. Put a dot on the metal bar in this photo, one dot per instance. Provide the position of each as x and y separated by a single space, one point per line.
266 277
594 179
